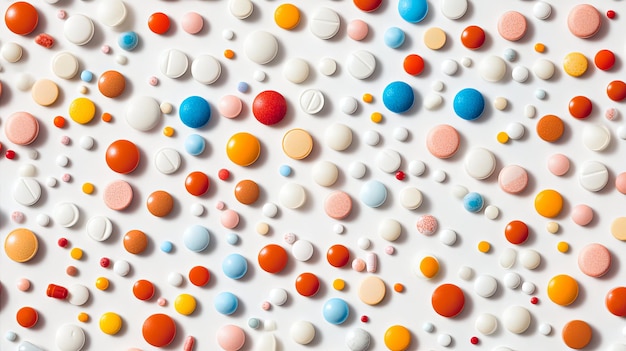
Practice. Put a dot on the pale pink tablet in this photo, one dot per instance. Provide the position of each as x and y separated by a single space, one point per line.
584 21
582 214
558 164
443 141
620 183
358 30
512 26
338 205
21 128
594 260
513 179
118 195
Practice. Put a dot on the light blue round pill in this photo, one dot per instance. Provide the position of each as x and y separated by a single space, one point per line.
540 94
473 202
194 144
394 37
413 11
167 246
232 238
226 303
86 76
235 266
196 238
254 323
373 193
194 112
510 54
284 170
10 335
128 40
398 97
242 87
335 311
468 104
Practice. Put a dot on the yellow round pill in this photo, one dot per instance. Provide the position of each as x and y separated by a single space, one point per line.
429 267
243 149
102 283
168 131
397 338
83 317
502 137
575 64
287 16
76 253
88 188
110 323
376 117
562 246
549 203
185 304
367 97
563 289
484 246
339 284
540 48
82 110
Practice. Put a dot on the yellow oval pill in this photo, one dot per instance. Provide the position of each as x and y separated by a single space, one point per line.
110 323
397 338
575 64
185 304
563 289
287 16
549 203
429 266
76 253
82 110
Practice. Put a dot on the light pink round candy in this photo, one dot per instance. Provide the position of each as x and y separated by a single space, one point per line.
21 128
443 141
230 337
620 182
513 179
229 219
358 264
230 106
357 30
594 260
558 164
192 22
582 214
338 205
584 21
23 284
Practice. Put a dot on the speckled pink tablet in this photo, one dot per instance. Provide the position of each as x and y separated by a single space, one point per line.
118 195
338 205
512 25
21 128
513 179
443 141
582 214
558 164
584 21
594 260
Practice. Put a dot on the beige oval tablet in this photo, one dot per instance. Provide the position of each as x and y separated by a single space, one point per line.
435 38
618 228
297 144
372 290
45 92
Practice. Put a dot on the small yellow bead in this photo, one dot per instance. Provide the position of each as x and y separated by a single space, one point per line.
168 131
102 283
429 266
83 317
76 253
563 247
185 304
552 227
368 98
484 246
339 284
110 323
88 188
376 117
502 137
229 54
540 48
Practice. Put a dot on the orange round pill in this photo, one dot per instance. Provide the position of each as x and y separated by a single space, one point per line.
338 255
616 90
516 232
21 18
135 242
563 289
111 84
549 203
413 64
159 330
199 276
143 289
122 156
616 301
580 107
550 128
604 60
21 245
160 203
27 317
367 5
448 300
197 183
59 122
576 334
272 258
243 149
473 37
159 23
307 284
247 192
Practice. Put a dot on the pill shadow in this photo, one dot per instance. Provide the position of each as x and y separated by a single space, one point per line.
580 299
596 339
602 32
7 94
468 308
4 297
614 268
97 40
41 322
42 250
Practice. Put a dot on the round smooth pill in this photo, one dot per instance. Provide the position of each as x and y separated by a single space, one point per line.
542 10
576 334
192 22
479 163
21 245
544 69
327 66
128 40
230 337
44 92
454 9
348 105
604 59
485 285
469 104
206 69
413 11
338 136
596 137
302 332
135 242
235 266
296 70
121 268
615 301
335 311
448 300
584 21
11 52
513 179
361 64
473 202
122 156
466 273
582 214
473 37
449 67
196 238
520 74
143 113
69 337
372 290
226 303
562 289
388 160
594 260
158 330
325 173
110 323
512 280
260 47
66 214
373 193
492 68
448 237
389 229
78 29
486 324
99 228
397 338
593 176
357 169
394 37
307 284
516 319
292 195
434 38
357 339
324 23
530 259
411 198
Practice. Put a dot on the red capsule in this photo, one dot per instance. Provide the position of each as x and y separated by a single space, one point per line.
56 291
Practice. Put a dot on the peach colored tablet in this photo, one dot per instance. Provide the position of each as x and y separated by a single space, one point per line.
118 195
21 128
584 21
512 26
443 141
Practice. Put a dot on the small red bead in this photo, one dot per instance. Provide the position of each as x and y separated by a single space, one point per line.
10 154
400 175
474 340
534 300
365 319
62 242
223 174
610 14
105 262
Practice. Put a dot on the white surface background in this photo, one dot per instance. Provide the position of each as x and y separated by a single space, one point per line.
411 308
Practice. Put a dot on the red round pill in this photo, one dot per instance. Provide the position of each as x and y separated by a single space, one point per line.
616 90
473 37
604 59
143 290
413 64
516 232
159 23
159 330
21 18
616 301
27 317
448 300
272 258
338 255
368 5
122 156
199 276
307 284
580 107
269 107
197 183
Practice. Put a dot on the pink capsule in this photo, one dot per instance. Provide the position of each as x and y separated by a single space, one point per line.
371 262
189 341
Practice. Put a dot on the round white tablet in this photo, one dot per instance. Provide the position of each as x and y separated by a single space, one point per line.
447 237
486 324
389 229
278 296
292 195
361 64
593 176
358 339
530 111
86 142
26 191
175 279
338 136
78 29
371 137
327 66
444 340
485 285
364 243
65 65
492 212
432 101
173 63
241 9
143 113
324 23
520 74
260 47
196 209
528 288
492 68
516 319
400 133
543 69
69 337
311 101
508 257
449 67
546 329
388 160
302 332
11 52
167 160
410 198
112 12
206 69
439 175
596 137
296 70
480 163
99 228
270 210
466 273
43 219
62 161
530 258
122 268
77 294
417 168
357 169
66 214
348 105
542 10
454 9
512 280
515 130
325 173
302 250
458 191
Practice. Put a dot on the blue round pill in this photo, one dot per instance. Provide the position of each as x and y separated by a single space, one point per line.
510 54
194 112
373 193
196 238
86 76
194 144
235 266
167 246
335 311
254 323
473 202
398 97
469 104
413 11
540 94
232 238
226 303
128 40
10 335
284 170
394 37
242 87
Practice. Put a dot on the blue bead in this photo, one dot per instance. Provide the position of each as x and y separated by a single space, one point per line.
540 94
336 311
242 87
194 112
394 37
10 335
235 266
285 170
510 54
398 97
86 76
373 193
196 238
469 104
232 238
167 246
226 303
413 11
194 144
128 40
254 323
473 202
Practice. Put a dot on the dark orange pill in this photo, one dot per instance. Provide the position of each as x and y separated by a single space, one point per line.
111 84
59 122
21 18
199 276
413 64
135 242
604 59
197 183
616 301
616 90
159 23
368 5
516 232
272 258
122 156
338 255
159 330
448 300
580 107
160 203
473 37
576 334
307 284
247 192
550 128
27 317
143 290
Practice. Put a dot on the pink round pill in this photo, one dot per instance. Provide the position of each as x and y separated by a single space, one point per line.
18 217
427 225
66 178
512 26
231 337
118 195
21 128
338 205
230 106
558 164
594 260
584 21
620 182
513 179
443 141
290 238
229 219
266 306
358 264
582 214
23 284
220 205
390 250
358 30
192 22
161 301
